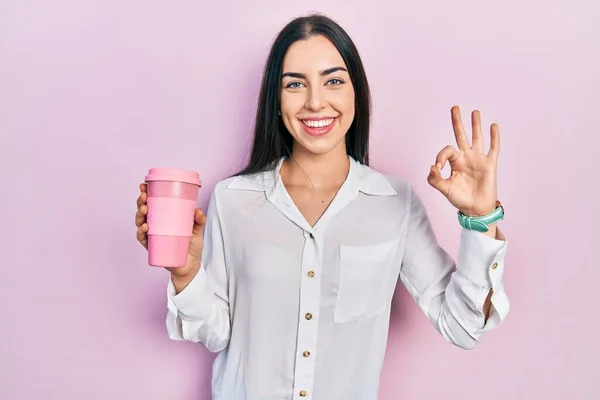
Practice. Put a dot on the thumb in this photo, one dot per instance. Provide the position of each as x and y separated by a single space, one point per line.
199 222
436 180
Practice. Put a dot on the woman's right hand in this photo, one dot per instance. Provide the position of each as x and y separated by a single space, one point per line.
181 276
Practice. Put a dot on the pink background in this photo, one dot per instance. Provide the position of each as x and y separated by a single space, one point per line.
94 93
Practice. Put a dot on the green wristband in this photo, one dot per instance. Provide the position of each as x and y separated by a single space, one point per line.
481 224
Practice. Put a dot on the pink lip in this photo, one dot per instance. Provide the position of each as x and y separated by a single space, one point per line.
319 131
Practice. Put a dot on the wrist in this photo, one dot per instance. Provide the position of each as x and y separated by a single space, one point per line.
482 222
478 212
181 278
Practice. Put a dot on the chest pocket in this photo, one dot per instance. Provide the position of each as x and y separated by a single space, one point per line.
365 279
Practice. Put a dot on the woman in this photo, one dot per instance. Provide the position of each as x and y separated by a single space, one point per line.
291 273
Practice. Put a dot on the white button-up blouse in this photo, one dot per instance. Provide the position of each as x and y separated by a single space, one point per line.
301 312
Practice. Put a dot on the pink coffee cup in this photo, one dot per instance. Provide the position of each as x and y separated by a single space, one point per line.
172 198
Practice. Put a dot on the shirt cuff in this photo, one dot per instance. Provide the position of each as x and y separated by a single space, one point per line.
499 309
481 258
194 302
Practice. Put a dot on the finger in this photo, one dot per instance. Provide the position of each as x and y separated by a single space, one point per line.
459 130
199 222
477 144
494 142
140 215
436 180
141 199
142 234
143 187
449 154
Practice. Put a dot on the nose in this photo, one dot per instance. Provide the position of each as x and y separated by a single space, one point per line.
314 101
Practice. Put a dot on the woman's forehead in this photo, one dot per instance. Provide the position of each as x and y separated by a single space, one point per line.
314 54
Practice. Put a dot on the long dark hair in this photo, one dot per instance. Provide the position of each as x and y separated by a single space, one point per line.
271 139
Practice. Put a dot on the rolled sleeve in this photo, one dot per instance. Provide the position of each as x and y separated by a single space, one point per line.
200 312
481 258
194 302
481 263
452 295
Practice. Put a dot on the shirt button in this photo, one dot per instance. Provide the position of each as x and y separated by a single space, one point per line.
303 393
306 354
310 274
308 316
312 236
494 265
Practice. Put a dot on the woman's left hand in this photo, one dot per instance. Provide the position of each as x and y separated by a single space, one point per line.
472 185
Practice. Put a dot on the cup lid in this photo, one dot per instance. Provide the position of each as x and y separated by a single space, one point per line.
173 175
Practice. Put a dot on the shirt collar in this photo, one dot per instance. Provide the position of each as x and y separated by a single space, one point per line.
361 178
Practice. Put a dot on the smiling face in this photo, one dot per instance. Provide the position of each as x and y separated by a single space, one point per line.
317 96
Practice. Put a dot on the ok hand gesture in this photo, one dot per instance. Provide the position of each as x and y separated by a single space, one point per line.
472 185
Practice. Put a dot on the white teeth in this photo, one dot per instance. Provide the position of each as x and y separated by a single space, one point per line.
318 124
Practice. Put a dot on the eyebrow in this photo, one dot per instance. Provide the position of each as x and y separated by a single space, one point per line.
327 71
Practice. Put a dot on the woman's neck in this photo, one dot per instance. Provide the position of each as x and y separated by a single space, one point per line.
319 170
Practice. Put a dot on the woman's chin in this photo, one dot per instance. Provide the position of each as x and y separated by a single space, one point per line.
320 146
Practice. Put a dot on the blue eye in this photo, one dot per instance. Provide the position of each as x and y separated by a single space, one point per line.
293 85
335 82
